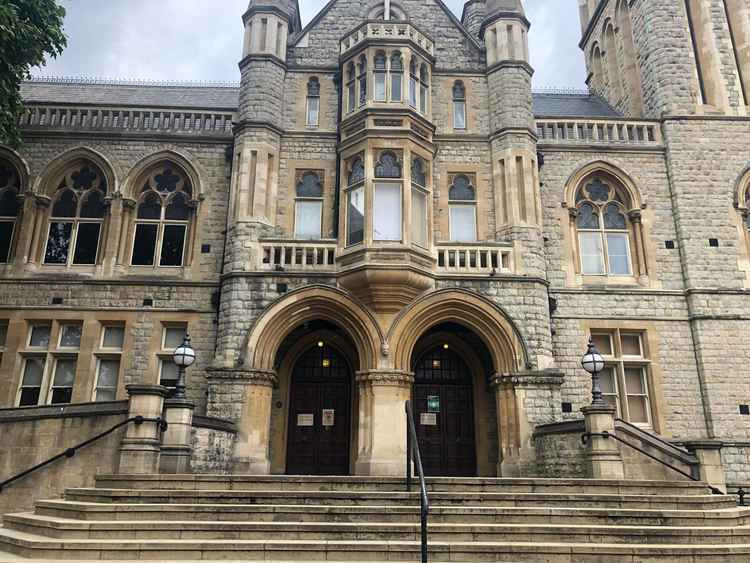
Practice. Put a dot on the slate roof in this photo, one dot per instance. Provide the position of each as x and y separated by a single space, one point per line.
225 97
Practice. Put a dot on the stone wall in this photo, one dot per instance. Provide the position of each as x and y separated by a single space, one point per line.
33 435
213 445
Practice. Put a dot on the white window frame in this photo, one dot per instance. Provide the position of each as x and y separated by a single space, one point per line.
299 200
44 383
60 331
105 358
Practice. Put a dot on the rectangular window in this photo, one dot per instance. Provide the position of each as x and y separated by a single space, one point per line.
352 97
362 90
70 335
6 239
168 373
396 87
459 114
618 253
387 212
419 217
58 243
62 382
355 216
173 245
107 372
308 218
39 336
313 111
173 337
423 98
592 254
413 92
380 95
144 246
463 219
625 379
87 243
31 384
113 337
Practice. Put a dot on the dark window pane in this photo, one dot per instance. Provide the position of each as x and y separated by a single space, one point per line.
313 87
357 173
58 243
144 246
150 207
461 190
388 166
87 243
598 190
172 245
62 395
93 207
417 172
310 186
167 181
65 206
29 396
6 237
613 218
588 218
9 203
84 178
177 210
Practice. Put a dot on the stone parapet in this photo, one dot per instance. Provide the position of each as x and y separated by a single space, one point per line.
140 448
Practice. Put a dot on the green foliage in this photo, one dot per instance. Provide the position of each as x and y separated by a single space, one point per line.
30 31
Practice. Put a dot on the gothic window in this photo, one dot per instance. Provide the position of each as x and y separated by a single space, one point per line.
459 105
379 77
163 215
362 80
424 87
462 204
388 166
308 210
397 77
76 217
413 83
603 230
313 102
351 80
355 203
9 209
419 199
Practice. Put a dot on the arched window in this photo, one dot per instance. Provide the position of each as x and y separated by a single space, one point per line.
362 79
397 77
76 217
9 208
419 198
413 83
313 102
424 87
631 71
603 230
462 204
162 217
355 202
308 207
459 105
380 12
379 77
351 90
613 65
597 71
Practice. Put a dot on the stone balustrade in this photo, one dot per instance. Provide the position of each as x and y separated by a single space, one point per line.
42 116
470 259
391 30
609 132
296 255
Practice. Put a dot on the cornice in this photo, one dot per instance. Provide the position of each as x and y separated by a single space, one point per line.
264 57
502 15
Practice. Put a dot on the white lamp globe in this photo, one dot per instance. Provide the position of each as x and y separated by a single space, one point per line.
184 356
592 360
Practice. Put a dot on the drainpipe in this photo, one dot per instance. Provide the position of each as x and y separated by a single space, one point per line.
337 193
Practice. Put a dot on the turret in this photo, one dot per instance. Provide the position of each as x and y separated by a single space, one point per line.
473 16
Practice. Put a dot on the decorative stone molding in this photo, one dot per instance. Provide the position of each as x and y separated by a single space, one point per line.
265 378
544 378
385 377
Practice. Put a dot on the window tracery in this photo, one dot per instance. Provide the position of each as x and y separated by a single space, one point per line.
388 166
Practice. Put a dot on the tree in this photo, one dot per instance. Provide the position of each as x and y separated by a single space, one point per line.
30 31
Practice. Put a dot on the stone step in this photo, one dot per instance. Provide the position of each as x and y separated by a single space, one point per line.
390 513
435 484
60 528
592 500
29 545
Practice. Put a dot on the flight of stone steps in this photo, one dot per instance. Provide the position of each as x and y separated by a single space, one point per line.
180 518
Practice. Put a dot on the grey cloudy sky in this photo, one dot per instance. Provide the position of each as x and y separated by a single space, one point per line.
200 41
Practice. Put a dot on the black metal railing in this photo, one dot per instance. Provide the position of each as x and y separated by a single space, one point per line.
71 452
413 454
607 435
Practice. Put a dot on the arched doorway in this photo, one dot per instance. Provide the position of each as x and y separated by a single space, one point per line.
319 413
444 401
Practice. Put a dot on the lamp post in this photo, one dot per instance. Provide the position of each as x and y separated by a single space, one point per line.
183 357
593 362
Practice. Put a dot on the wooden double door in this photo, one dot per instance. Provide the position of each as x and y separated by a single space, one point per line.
319 414
444 413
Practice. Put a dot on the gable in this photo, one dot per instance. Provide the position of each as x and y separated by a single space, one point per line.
318 44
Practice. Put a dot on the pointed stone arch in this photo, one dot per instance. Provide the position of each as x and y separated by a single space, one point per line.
623 179
45 184
19 164
307 304
186 163
488 320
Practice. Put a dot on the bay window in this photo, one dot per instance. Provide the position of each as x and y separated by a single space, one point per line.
387 211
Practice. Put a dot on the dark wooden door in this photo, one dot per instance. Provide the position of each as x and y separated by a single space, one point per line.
318 439
446 437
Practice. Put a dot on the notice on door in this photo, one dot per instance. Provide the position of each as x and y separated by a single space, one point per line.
305 420
329 415
428 419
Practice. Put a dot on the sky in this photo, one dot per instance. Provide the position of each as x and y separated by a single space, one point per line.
195 40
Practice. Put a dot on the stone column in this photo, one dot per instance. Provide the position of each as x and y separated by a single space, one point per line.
176 448
140 448
382 422
708 453
603 454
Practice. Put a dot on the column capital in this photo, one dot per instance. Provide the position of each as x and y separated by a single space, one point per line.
385 377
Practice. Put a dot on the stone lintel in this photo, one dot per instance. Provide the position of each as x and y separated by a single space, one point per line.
266 378
547 378
385 377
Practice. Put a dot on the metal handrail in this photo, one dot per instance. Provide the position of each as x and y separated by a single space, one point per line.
607 435
70 452
412 453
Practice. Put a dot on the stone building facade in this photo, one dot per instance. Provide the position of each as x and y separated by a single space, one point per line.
383 210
